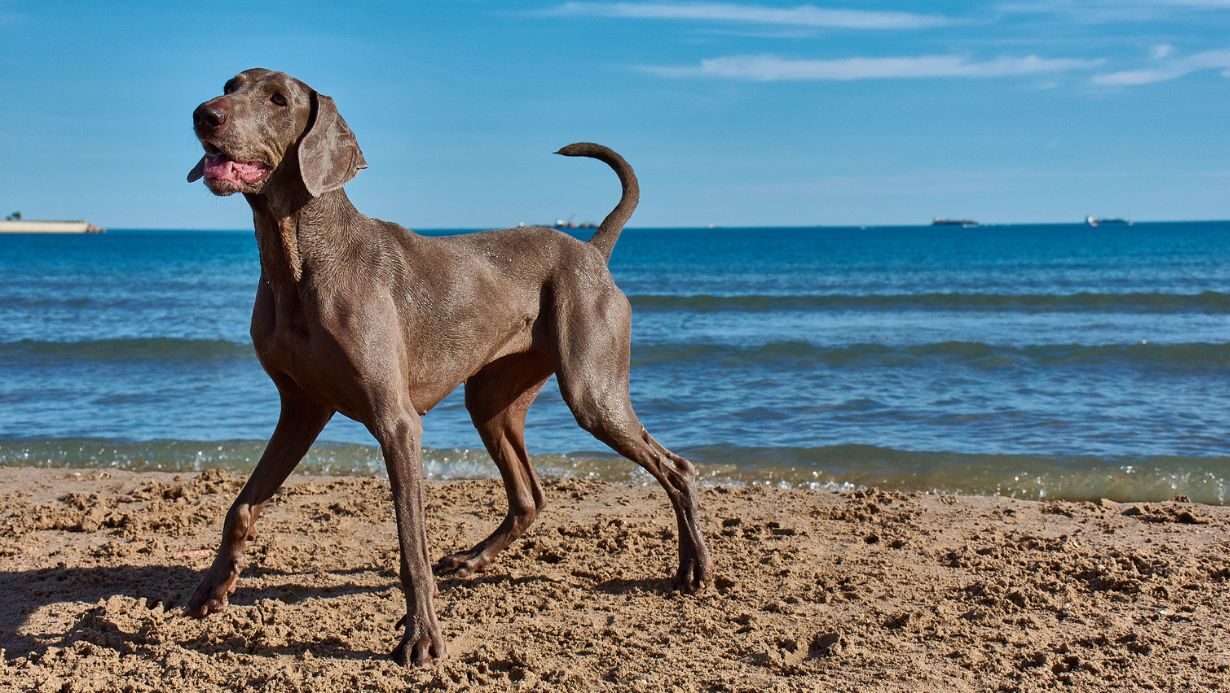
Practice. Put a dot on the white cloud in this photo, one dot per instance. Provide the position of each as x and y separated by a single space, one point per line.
769 68
803 15
1160 51
1168 69
1131 78
1112 11
1089 11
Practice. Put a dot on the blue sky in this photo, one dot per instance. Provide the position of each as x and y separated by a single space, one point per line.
732 113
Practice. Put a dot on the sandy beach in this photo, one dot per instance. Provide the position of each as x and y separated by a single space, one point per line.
815 590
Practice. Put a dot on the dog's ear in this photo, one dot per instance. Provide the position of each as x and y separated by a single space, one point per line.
197 171
329 154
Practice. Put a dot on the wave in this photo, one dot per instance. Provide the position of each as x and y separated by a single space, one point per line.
1126 478
48 298
1214 302
50 301
1144 478
1206 302
1198 356
131 349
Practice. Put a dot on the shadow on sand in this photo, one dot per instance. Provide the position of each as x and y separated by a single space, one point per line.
161 587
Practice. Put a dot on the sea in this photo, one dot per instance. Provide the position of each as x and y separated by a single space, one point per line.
1032 361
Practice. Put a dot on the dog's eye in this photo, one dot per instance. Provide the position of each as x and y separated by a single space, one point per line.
228 87
278 99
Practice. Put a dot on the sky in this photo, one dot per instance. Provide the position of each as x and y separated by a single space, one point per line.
732 113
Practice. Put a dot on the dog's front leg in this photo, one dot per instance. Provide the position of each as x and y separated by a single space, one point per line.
400 436
300 422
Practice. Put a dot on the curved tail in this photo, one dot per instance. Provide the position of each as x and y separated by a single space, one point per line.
608 232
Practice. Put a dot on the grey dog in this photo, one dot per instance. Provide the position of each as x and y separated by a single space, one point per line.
363 317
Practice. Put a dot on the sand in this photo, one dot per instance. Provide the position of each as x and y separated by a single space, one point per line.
815 590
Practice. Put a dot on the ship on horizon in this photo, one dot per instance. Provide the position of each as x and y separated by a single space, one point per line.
963 223
1095 222
567 224
13 223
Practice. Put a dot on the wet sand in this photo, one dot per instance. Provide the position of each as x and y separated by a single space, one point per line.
814 590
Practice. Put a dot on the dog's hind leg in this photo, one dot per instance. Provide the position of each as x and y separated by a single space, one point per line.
592 338
298 425
498 398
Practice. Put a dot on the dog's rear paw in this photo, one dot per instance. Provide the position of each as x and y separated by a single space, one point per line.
462 564
421 652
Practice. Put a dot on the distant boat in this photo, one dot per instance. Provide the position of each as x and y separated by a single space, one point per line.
1095 222
565 224
39 226
963 223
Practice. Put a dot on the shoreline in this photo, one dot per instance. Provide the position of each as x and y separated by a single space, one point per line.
814 589
835 468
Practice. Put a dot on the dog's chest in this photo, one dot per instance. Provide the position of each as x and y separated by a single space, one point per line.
282 335
295 343
283 345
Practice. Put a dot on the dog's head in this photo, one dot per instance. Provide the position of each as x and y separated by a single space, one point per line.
269 130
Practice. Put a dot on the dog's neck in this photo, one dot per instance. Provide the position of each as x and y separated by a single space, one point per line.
295 234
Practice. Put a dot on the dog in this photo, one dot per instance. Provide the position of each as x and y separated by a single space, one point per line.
364 317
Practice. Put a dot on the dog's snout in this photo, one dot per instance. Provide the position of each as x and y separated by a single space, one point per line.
208 116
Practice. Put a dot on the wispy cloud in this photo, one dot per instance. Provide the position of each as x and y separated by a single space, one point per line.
801 16
1160 51
1167 67
770 68
1200 4
1111 11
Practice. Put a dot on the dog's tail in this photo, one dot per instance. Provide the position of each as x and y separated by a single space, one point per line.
608 232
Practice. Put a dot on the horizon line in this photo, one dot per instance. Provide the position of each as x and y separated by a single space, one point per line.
703 227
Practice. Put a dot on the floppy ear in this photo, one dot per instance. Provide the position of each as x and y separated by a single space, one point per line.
197 171
329 154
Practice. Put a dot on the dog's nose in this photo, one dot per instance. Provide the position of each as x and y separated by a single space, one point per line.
208 117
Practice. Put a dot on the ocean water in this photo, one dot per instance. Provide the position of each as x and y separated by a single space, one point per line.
1051 361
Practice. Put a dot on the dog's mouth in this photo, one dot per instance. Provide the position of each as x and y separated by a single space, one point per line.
222 169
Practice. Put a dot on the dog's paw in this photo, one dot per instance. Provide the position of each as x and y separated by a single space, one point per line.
419 652
694 575
210 596
462 564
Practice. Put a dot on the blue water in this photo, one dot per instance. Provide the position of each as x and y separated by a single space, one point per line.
1035 361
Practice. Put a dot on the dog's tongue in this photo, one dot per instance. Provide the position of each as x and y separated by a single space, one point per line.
218 167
